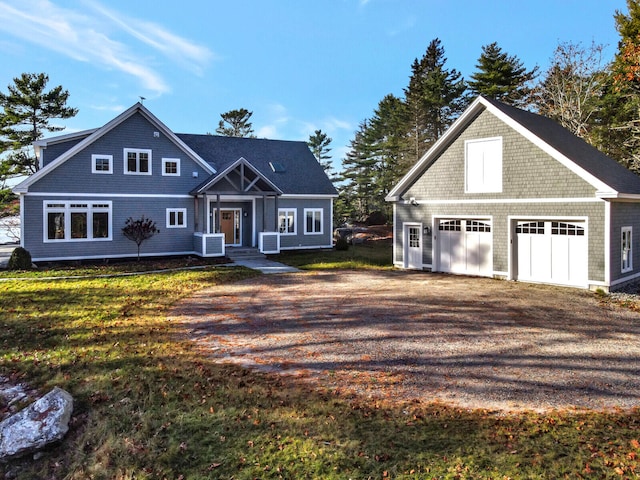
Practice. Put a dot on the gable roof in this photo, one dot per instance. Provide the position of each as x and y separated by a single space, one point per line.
257 183
610 179
288 165
94 135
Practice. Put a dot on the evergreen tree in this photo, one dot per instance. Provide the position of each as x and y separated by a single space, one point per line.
235 123
503 77
435 97
28 110
319 144
621 106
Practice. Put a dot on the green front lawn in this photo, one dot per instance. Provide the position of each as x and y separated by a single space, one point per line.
369 255
149 404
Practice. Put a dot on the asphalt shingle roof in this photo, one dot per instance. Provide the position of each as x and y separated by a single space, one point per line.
302 173
577 150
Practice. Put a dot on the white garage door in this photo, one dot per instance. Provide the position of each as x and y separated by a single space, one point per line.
552 252
465 246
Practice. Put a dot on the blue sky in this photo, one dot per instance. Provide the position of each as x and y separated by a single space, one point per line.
299 65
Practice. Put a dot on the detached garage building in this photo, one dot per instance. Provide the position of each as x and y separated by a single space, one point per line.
510 194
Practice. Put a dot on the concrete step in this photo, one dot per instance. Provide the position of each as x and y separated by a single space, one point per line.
244 253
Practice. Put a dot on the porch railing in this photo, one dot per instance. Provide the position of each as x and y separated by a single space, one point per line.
209 244
269 242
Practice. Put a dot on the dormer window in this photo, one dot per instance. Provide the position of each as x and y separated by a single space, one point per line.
137 161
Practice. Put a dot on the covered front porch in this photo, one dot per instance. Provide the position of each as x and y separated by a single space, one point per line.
237 207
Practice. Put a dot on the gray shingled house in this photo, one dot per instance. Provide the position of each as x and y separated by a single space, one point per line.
205 192
510 194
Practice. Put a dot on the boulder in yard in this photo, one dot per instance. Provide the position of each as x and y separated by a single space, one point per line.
43 422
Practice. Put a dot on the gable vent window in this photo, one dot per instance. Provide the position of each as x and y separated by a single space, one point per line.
137 161
483 165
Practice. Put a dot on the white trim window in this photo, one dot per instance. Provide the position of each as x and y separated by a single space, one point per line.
73 221
483 165
313 221
137 161
287 224
101 163
626 249
176 218
170 167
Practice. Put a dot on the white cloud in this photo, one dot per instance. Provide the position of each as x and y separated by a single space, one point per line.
91 39
267 131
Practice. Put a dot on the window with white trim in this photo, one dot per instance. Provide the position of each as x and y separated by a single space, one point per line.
313 221
287 224
176 218
101 163
67 221
137 161
171 167
627 247
483 165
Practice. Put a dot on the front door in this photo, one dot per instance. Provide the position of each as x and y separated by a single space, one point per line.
413 246
230 226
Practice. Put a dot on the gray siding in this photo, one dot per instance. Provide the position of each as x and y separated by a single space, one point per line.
593 211
527 171
624 215
168 241
300 240
74 176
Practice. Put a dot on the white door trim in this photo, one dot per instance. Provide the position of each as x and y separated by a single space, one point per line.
405 245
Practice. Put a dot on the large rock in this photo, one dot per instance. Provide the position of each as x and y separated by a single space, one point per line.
44 421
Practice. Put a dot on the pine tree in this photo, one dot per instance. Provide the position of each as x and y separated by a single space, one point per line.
235 123
319 144
622 105
27 114
503 77
435 97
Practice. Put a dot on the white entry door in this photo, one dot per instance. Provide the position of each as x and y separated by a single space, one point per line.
465 246
413 246
552 252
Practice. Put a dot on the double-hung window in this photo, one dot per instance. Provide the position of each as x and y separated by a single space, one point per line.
101 163
287 221
171 167
313 221
627 249
176 218
137 161
76 221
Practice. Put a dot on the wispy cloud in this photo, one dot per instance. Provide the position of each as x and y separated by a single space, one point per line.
102 38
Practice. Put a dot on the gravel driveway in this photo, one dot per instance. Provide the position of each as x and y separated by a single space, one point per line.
471 342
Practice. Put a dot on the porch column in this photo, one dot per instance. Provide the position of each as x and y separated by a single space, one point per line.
218 214
205 212
275 218
195 214
264 212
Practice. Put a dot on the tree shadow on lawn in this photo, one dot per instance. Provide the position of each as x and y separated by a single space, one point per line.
474 342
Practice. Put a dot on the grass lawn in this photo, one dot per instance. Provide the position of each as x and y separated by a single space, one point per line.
375 255
149 405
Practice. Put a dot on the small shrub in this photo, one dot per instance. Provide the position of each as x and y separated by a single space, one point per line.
342 244
20 259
